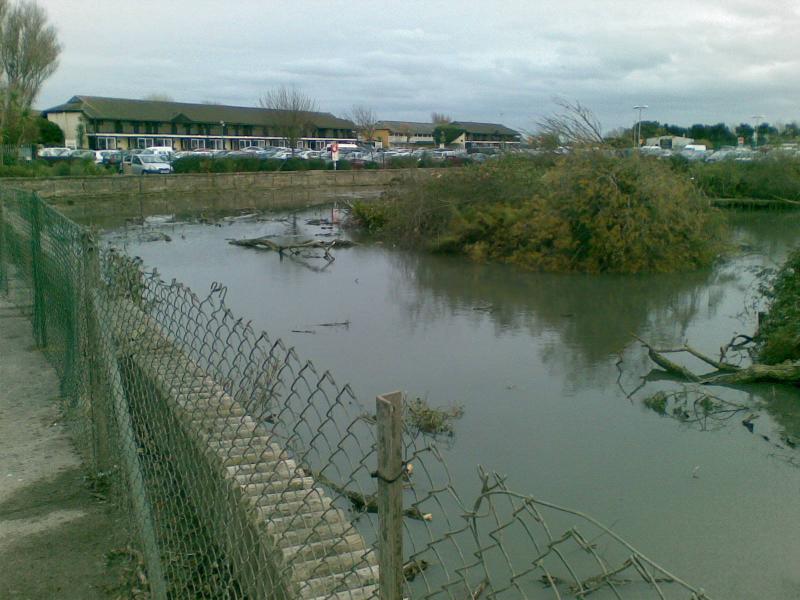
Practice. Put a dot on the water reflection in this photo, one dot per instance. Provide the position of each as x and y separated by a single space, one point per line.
583 319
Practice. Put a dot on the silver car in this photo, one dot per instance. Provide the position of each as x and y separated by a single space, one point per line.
146 164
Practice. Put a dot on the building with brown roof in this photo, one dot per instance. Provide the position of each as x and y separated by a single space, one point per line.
469 133
118 123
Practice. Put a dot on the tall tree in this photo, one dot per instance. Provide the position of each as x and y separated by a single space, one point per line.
365 121
438 118
293 112
29 51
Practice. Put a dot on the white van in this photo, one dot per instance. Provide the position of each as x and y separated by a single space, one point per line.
343 148
167 151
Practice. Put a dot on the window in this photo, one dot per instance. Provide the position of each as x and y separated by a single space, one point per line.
144 142
106 143
135 127
174 129
198 144
163 142
248 130
187 129
245 143
218 144
117 126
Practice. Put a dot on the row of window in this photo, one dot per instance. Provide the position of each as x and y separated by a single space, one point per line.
111 143
154 128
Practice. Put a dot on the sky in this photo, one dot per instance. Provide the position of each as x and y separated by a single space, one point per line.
689 61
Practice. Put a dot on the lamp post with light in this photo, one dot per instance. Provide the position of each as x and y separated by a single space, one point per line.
638 128
222 134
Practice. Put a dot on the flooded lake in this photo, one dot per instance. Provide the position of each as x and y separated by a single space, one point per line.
543 365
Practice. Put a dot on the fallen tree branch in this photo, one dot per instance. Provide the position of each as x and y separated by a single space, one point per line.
785 372
265 243
667 364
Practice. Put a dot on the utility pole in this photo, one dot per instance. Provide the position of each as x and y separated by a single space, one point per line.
638 128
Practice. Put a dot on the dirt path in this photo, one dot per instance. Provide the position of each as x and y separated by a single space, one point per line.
54 533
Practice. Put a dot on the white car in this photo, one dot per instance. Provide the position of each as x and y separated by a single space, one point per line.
146 164
54 152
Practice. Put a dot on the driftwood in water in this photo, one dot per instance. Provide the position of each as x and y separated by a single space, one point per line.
726 373
265 243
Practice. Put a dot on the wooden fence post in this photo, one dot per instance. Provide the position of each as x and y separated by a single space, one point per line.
389 413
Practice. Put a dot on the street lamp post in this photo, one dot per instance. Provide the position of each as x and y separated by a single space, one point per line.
222 134
638 128
756 119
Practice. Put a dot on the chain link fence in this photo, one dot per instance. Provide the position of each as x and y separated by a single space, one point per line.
247 472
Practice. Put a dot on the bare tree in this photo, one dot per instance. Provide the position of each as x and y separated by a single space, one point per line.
159 97
365 121
293 112
440 118
404 129
29 52
575 125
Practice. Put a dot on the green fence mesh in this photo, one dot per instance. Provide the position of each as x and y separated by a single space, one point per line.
248 473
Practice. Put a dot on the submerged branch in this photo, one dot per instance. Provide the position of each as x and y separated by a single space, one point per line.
726 373
265 243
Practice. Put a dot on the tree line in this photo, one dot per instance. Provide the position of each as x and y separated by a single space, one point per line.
713 135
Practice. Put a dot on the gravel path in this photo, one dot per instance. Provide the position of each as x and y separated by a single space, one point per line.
54 534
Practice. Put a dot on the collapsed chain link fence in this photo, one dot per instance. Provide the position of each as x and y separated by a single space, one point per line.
248 473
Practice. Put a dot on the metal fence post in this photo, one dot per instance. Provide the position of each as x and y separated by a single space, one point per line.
98 404
389 413
37 278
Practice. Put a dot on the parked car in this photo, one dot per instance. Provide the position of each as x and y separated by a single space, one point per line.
109 157
146 164
54 153
82 154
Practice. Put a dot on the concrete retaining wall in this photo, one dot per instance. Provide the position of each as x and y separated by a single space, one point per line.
84 198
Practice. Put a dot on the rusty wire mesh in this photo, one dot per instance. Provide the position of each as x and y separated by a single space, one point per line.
249 473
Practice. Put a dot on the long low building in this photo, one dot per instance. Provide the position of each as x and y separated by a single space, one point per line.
118 123
469 134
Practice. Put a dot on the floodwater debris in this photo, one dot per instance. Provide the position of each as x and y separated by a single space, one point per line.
434 420
294 248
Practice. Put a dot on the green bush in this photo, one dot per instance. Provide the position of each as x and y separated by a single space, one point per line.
585 212
60 168
773 177
402 162
778 336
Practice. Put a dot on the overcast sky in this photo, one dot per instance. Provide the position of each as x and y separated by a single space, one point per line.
690 60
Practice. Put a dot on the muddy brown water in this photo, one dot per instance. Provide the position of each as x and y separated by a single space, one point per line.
533 359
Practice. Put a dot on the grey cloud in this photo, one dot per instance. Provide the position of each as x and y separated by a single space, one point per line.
712 60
